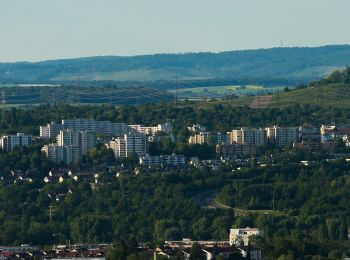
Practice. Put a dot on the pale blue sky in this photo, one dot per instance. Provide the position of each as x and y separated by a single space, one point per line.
50 29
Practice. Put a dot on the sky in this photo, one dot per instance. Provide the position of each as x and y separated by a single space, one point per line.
33 30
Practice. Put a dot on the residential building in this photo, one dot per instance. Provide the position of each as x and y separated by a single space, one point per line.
50 130
309 133
8 142
330 132
281 136
197 128
208 138
248 136
200 138
240 236
169 160
314 146
84 140
66 154
71 145
152 130
91 125
128 144
235 150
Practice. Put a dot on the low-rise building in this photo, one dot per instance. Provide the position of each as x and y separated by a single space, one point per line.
235 150
239 236
152 130
165 160
197 128
315 146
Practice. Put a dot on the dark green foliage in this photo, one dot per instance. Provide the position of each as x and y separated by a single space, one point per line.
196 252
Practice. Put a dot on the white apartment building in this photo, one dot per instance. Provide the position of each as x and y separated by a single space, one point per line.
84 140
151 130
281 136
200 138
197 128
208 138
241 235
172 160
8 142
58 154
71 145
91 125
252 136
50 130
130 143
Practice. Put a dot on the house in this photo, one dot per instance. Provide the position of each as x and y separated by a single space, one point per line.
240 236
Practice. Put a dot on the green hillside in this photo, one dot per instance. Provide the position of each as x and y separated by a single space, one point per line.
332 95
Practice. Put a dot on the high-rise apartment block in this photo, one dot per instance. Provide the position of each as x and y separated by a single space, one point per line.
281 136
71 145
248 136
8 142
98 127
151 130
131 143
50 130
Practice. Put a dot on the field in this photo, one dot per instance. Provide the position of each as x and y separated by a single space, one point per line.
20 95
222 91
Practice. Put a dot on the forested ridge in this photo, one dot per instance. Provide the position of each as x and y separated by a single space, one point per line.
298 64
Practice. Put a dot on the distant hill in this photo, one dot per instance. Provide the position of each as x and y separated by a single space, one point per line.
332 91
327 95
264 65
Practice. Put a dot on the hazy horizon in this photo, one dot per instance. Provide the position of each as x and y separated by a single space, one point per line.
47 30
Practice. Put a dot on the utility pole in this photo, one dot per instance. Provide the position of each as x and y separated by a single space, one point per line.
137 96
175 93
273 200
3 101
50 211
229 97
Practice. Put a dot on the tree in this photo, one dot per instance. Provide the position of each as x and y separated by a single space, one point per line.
196 252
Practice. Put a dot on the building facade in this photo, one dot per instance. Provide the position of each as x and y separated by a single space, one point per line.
281 136
241 235
71 146
248 136
50 130
8 142
235 150
132 143
98 127
170 160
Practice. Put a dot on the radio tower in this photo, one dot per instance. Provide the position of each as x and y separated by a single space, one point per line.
3 101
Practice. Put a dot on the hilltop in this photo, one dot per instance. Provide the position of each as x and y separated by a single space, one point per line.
286 66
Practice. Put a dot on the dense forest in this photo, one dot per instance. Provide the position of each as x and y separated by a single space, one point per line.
216 117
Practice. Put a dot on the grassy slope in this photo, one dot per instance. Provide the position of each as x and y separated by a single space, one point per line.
329 95
332 95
